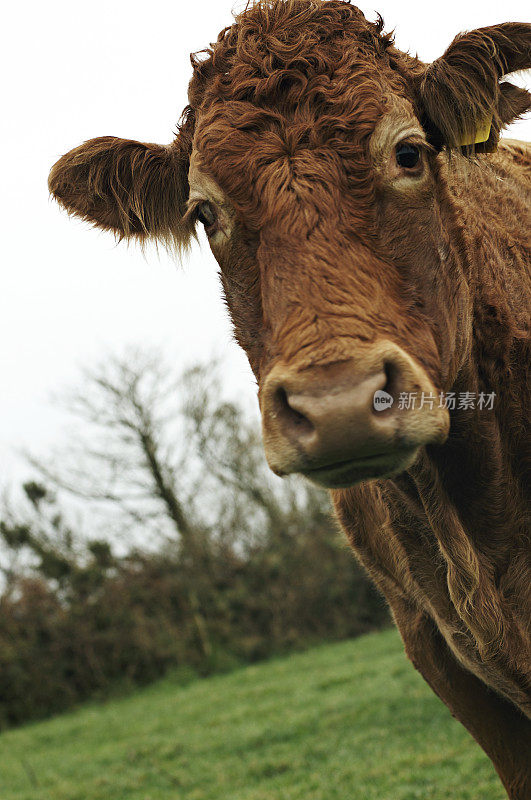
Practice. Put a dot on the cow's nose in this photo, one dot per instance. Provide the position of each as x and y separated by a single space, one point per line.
326 415
343 422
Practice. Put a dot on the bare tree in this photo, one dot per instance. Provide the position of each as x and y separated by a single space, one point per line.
120 454
122 457
171 458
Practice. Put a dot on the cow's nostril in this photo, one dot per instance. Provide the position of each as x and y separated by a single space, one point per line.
391 378
392 387
288 416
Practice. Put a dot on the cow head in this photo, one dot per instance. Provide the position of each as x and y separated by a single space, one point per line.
310 152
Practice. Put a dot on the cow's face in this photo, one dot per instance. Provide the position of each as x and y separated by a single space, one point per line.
310 157
339 277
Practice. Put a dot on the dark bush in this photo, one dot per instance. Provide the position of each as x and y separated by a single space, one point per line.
133 625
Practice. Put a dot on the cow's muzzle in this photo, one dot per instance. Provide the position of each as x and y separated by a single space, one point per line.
356 419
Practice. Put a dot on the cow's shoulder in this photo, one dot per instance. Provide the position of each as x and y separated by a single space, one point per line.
492 197
512 160
515 150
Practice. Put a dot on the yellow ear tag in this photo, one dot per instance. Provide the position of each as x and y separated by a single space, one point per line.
482 133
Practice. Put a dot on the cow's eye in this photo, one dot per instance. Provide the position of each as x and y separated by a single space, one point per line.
206 215
407 156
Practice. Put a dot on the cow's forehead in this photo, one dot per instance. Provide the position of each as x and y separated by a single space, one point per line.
292 109
264 161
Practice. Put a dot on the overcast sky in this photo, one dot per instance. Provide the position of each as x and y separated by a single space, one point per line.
69 294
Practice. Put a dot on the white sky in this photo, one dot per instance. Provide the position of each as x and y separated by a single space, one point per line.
69 294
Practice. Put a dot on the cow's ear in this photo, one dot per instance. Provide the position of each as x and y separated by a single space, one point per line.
463 100
134 189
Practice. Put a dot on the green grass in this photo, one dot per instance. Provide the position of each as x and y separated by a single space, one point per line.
348 721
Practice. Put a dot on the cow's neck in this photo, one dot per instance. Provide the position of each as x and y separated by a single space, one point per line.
471 490
474 485
480 468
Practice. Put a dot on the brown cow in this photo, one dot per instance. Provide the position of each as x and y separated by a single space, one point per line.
373 238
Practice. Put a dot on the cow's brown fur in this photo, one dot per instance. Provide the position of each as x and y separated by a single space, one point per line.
328 251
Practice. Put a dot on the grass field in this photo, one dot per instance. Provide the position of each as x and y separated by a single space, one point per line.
348 721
